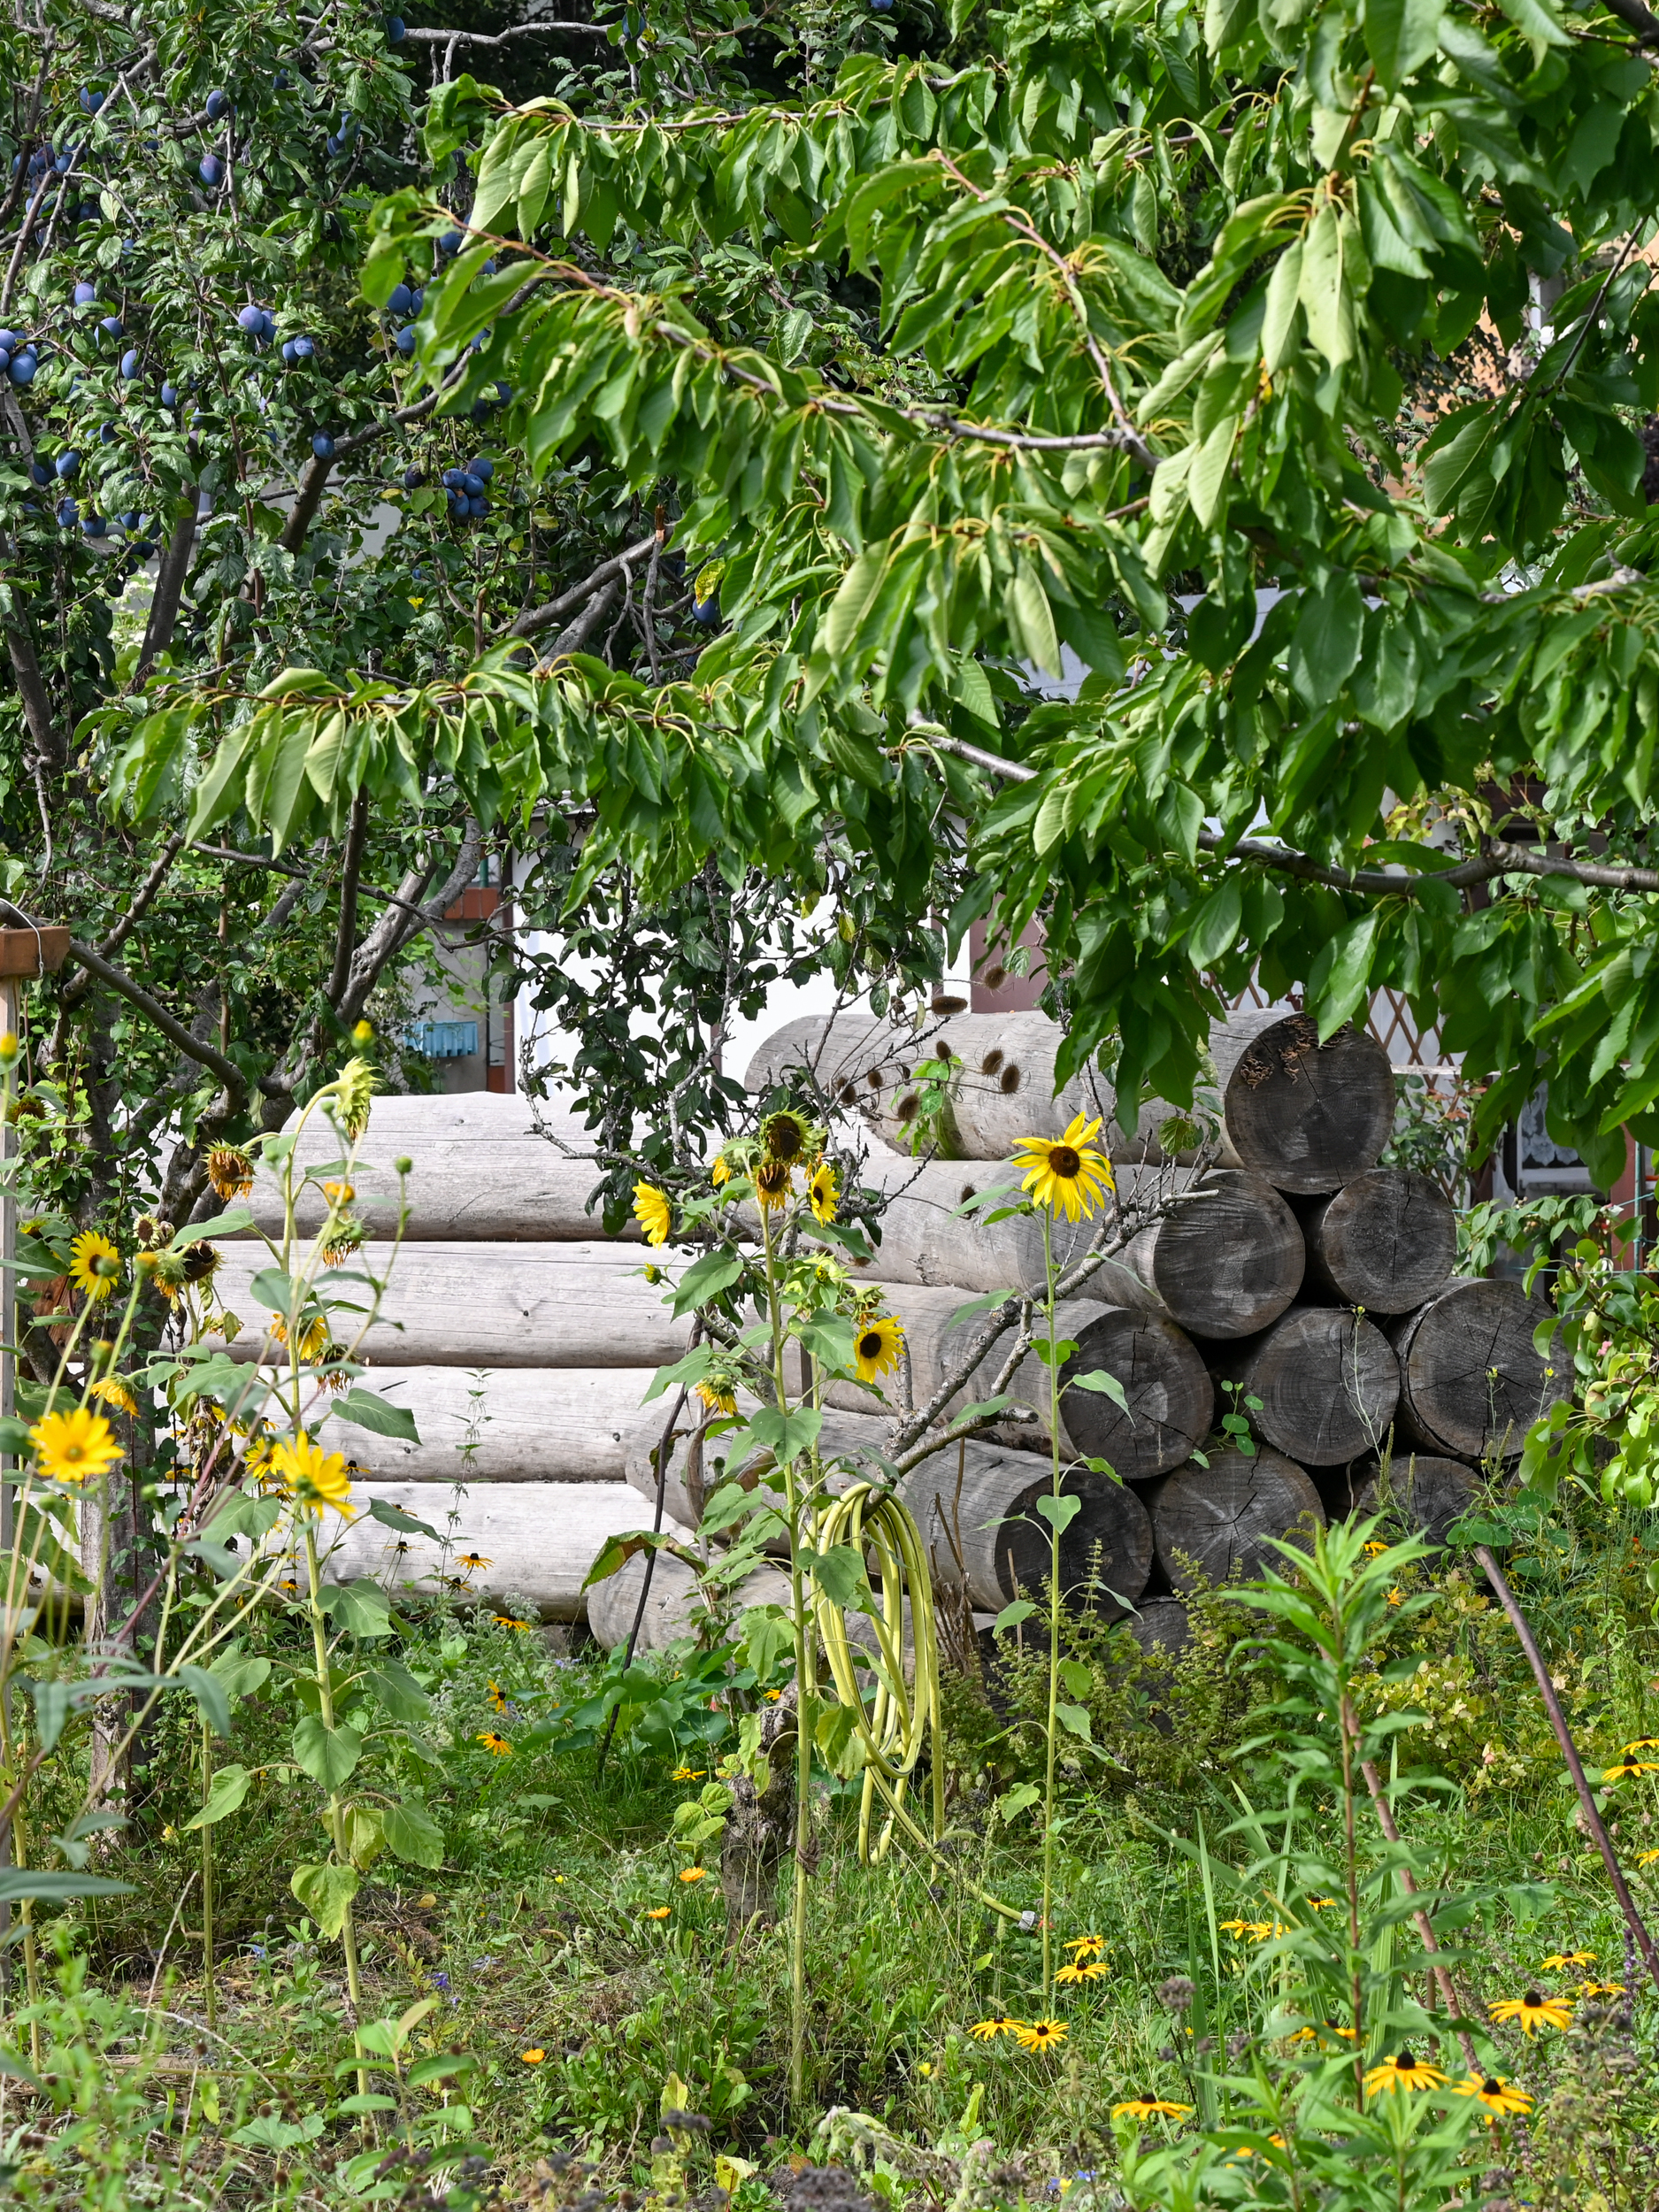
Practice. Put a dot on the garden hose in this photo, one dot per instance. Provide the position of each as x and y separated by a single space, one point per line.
892 1725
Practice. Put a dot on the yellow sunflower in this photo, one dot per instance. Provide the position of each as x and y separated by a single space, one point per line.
772 1182
1039 2035
311 1341
876 1344
1150 2108
785 1136
1066 1174
340 1194
720 1172
718 1395
312 1476
75 1447
1496 2094
230 1171
94 1266
1402 2071
651 1211
111 1390
1534 2011
824 1191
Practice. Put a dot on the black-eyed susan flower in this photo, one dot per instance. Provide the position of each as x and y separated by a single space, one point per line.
1402 2071
74 1447
1066 1174
497 1746
877 1345
651 1211
690 1774
498 1697
1533 2011
312 1478
1646 1858
94 1266
772 1183
230 1171
1081 1969
1627 1770
1642 1743
1557 1960
690 1874
1602 1989
1233 1927
111 1390
1149 2108
659 1912
1039 2035
1089 1947
475 1562
823 1192
1498 2095
506 1620
1319 1904
1375 1551
999 2024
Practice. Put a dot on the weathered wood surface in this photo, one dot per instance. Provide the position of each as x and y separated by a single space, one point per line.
1471 1382
1421 1492
1307 1115
973 1504
1226 1262
673 1607
1214 1522
1385 1241
478 1174
1161 1625
1170 1399
524 1424
923 1238
487 1305
539 1539
1328 1381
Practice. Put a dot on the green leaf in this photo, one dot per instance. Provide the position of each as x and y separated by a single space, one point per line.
839 1572
706 1279
1279 320
394 1516
21 1885
787 1436
229 1786
1058 1512
1020 1799
400 1697
413 1834
616 1551
327 1755
1106 1386
360 1606
1400 35
241 1672
1323 288
1011 1616
370 1411
1324 649
1074 1718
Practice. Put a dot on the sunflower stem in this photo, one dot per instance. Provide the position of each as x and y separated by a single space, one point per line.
336 1806
1054 1610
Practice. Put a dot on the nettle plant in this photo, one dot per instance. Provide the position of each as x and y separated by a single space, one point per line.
240 1510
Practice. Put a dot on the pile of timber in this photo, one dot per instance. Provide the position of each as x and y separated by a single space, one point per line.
1296 1280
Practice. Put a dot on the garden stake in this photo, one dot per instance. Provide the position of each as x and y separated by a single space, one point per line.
1408 1881
1570 1753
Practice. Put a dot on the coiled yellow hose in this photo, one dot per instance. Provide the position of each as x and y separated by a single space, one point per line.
892 1724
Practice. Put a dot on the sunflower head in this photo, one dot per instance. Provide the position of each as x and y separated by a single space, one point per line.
824 1191
312 1478
230 1171
200 1260
719 1392
75 1447
877 1345
111 1390
353 1090
344 1239
1066 1174
786 1137
721 1171
772 1182
651 1211
94 1266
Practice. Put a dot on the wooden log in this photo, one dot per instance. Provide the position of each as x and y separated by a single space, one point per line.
485 1305
1160 1624
478 1173
974 1506
673 1604
1385 1241
1215 1524
1471 1381
1307 1115
524 1425
539 1538
1227 1262
1420 1492
1328 1381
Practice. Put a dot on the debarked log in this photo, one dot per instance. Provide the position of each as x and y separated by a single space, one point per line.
1321 1385
1471 1379
674 1604
1385 1241
507 1424
1225 1262
1219 1522
1307 1115
1423 1494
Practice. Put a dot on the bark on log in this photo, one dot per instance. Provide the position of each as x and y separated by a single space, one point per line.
1308 1117
1214 1524
1471 1381
1421 1492
539 1538
1328 1381
1225 1264
478 1173
485 1305
524 1425
1386 1242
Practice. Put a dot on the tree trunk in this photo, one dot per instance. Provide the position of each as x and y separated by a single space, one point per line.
1225 1263
1307 1115
1471 1381
1328 1381
1385 1242
1215 1524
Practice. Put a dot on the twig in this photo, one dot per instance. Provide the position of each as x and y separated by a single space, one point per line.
1408 1881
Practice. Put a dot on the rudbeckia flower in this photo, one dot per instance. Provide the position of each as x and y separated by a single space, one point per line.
1402 2071
1000 2023
1039 2035
1496 2094
1558 1959
1147 2108
1534 2011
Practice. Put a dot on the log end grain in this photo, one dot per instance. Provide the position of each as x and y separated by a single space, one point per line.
1471 1380
1228 1261
1216 1523
1309 1117
1386 1242
1321 1385
1420 1492
1105 1555
1169 1399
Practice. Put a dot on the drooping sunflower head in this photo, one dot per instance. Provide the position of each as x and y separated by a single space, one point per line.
721 1171
230 1171
785 1136
1066 1174
345 1238
311 1341
354 1091
877 1346
75 1447
111 1390
94 1266
824 1191
772 1182
312 1478
653 1213
199 1262
719 1392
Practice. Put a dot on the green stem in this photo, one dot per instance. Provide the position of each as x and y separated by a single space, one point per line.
336 1805
1054 1613
207 1882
